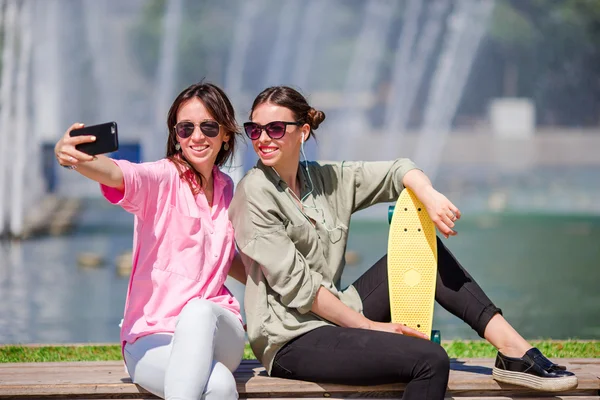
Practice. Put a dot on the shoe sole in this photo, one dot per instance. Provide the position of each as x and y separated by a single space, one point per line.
535 382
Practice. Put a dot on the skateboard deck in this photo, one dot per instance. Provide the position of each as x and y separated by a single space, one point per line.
412 264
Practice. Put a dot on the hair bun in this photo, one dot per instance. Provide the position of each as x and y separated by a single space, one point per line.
315 117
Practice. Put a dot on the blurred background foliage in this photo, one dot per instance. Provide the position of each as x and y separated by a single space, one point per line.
546 50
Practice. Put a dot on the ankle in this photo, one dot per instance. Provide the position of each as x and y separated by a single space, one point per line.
515 351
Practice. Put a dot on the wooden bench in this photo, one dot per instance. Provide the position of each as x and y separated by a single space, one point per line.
469 379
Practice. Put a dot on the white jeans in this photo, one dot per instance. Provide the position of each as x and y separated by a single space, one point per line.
197 361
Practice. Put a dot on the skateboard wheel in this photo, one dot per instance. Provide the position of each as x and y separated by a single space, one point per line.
436 336
390 213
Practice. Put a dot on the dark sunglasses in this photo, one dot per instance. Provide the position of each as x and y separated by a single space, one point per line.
209 128
275 129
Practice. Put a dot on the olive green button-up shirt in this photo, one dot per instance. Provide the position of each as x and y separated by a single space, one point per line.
290 251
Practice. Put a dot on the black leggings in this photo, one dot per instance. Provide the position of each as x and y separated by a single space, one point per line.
334 354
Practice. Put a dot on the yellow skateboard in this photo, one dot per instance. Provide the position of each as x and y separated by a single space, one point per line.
412 264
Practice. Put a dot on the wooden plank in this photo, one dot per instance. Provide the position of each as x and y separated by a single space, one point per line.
549 397
468 378
451 397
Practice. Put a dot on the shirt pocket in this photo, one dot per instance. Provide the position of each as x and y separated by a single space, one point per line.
304 236
185 241
337 232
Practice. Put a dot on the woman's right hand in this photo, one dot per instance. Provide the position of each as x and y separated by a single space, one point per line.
396 328
65 151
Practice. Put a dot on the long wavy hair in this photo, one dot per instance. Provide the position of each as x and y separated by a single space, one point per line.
218 105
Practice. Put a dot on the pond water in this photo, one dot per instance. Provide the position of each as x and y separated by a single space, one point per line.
543 270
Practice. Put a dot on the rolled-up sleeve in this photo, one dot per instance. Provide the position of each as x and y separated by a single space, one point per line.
374 182
140 181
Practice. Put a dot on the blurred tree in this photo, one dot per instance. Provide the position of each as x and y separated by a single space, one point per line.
336 45
551 53
145 37
203 43
515 35
206 37
547 50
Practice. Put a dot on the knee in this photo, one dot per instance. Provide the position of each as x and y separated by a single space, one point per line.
435 362
198 310
221 384
440 362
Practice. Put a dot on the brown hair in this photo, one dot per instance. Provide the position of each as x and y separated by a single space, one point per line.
218 105
291 99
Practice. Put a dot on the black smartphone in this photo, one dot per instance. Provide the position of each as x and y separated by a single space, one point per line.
107 139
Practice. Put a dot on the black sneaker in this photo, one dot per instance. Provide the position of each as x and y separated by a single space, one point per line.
534 371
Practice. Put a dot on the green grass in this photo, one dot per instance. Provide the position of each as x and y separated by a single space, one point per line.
20 353
456 349
552 349
17 353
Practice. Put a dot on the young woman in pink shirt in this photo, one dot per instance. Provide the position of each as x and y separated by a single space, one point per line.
182 332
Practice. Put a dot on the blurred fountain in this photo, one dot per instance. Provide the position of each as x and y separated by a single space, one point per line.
6 118
278 62
20 144
361 77
295 53
410 64
234 76
466 27
95 15
154 147
60 80
44 89
21 132
312 21
395 113
47 77
36 187
72 49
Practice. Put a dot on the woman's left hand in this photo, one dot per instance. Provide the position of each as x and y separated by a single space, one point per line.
442 212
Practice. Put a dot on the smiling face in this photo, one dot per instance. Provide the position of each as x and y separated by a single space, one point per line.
283 153
198 149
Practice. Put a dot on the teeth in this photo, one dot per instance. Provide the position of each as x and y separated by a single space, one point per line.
199 148
268 150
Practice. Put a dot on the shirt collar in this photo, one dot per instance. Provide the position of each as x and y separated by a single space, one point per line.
217 174
276 179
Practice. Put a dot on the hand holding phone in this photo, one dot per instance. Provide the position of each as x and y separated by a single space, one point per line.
106 136
82 144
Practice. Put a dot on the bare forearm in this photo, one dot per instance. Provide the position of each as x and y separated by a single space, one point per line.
441 210
237 270
103 170
417 181
327 306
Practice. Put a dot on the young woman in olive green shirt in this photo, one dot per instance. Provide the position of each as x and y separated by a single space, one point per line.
291 223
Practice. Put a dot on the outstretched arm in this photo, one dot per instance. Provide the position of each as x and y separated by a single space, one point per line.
441 210
382 181
130 185
100 168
